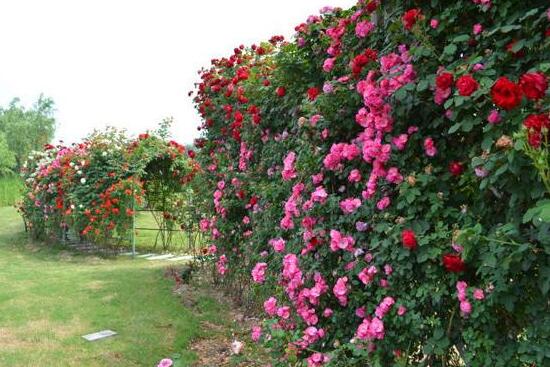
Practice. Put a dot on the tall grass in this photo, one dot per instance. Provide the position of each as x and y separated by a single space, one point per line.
10 190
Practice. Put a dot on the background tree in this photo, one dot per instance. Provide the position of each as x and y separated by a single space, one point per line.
25 130
7 157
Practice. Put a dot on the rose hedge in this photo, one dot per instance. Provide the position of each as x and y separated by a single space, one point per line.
381 183
93 187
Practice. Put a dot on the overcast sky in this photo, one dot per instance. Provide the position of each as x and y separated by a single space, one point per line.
129 63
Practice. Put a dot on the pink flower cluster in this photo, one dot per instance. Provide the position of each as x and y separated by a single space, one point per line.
338 153
291 207
350 205
289 171
244 157
338 241
371 329
278 244
258 272
462 294
221 265
341 290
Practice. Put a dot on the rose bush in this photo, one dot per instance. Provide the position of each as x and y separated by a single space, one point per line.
94 187
373 183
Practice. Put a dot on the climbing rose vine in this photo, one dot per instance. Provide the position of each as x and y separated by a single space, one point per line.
381 184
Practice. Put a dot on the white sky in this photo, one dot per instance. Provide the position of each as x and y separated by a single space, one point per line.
129 63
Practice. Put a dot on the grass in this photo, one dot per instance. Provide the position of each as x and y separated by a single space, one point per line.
49 298
10 190
145 239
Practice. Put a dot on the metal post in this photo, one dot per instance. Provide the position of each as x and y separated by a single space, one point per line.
134 226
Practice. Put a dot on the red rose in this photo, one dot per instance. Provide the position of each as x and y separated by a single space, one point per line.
409 239
505 93
410 18
191 154
372 5
444 80
534 138
533 85
466 85
281 91
456 168
534 124
537 122
453 263
312 93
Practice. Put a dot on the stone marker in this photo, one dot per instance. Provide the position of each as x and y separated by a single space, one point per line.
99 335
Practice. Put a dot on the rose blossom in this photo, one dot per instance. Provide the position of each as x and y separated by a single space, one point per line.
534 85
478 294
494 117
256 333
409 239
350 205
477 28
466 85
278 244
270 306
258 273
506 94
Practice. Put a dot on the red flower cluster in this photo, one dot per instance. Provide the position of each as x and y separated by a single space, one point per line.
538 127
444 80
409 239
411 17
505 93
453 263
466 85
312 93
361 60
533 85
456 168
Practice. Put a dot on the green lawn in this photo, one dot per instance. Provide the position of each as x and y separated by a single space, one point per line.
145 239
10 190
49 298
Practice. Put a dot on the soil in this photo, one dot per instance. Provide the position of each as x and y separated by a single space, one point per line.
235 324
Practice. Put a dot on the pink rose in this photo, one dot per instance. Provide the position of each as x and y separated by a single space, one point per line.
350 205
478 294
258 273
270 306
256 333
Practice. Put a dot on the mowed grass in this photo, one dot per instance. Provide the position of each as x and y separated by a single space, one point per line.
146 238
10 190
49 298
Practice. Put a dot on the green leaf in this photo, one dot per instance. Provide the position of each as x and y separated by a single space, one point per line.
454 128
509 28
518 45
461 38
540 213
449 49
422 85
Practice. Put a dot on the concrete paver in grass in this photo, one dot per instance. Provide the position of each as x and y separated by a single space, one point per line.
182 258
160 257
